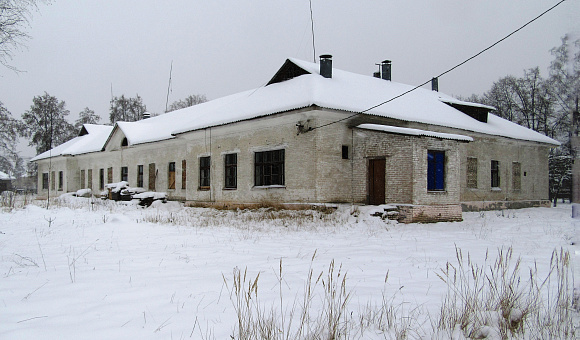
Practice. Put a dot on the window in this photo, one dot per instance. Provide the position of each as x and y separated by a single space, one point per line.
124 174
269 168
60 180
435 170
231 167
110 175
171 176
204 172
124 142
101 179
82 179
183 173
516 176
140 176
52 180
45 180
472 172
90 178
345 152
495 174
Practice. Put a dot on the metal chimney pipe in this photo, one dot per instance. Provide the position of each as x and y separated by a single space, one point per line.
435 84
326 65
386 70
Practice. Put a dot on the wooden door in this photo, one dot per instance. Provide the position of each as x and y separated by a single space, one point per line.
376 184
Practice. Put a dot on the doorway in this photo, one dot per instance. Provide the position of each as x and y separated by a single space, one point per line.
376 181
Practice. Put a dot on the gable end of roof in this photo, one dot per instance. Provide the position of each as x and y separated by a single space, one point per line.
475 112
288 71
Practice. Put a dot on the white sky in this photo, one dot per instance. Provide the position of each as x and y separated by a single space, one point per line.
80 48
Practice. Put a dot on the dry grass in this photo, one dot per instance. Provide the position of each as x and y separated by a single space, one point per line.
493 299
255 321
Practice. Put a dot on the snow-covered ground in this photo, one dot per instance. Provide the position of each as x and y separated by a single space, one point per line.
117 271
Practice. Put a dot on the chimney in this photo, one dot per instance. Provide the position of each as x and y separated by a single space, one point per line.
326 65
386 70
435 84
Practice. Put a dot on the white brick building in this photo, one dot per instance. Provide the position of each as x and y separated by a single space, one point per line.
315 134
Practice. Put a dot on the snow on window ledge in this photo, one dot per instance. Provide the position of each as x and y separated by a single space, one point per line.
495 189
269 187
437 192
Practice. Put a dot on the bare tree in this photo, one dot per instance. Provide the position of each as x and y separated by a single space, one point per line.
15 16
46 124
9 131
126 109
86 116
191 100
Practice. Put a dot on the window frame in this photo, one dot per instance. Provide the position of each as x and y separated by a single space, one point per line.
184 174
231 171
345 152
140 172
495 174
204 173
125 174
516 176
269 168
60 180
171 176
436 170
471 175
102 179
45 181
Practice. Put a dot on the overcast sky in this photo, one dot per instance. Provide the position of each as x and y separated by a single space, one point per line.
81 49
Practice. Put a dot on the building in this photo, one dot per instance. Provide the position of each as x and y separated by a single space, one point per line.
316 134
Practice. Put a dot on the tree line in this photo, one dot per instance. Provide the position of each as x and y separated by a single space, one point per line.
546 105
45 125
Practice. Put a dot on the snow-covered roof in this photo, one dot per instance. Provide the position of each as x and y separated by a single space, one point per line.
414 132
4 176
345 91
92 138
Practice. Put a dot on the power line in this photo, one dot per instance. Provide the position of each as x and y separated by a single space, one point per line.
449 70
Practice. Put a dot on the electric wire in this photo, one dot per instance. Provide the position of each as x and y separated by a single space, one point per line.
444 73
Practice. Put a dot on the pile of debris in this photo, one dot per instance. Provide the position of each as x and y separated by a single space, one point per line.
121 191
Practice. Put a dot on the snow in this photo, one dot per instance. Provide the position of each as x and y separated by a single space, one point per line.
414 132
5 176
92 269
345 91
94 141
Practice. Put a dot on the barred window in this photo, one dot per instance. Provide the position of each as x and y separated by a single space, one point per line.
269 168
516 176
471 172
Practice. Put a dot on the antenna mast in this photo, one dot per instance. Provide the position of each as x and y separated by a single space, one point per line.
312 28
168 86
